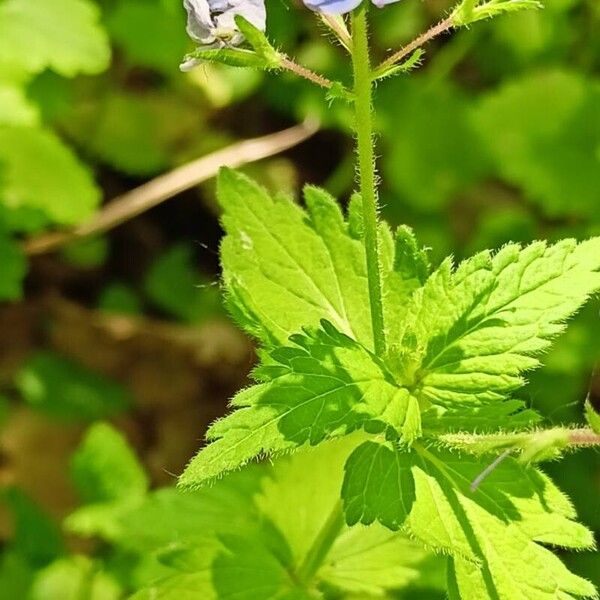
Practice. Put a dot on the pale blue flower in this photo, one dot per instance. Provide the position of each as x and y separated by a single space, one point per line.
339 7
211 23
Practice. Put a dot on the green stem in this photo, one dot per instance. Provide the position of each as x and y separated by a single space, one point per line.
322 545
363 107
495 442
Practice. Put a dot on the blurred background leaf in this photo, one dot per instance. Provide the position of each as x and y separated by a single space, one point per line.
64 389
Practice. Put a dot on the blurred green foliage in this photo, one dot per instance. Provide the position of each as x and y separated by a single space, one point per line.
495 138
197 298
67 390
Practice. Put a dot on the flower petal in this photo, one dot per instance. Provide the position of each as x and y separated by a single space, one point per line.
382 3
332 7
199 21
252 10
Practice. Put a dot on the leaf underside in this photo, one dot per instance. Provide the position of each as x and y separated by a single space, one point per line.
251 543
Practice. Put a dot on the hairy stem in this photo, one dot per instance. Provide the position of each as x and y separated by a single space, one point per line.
322 545
583 437
494 442
405 51
363 103
289 65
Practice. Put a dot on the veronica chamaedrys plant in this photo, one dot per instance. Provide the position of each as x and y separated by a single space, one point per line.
415 368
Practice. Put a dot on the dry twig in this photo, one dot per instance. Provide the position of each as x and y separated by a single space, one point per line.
170 184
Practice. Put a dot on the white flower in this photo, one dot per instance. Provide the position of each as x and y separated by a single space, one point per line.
211 23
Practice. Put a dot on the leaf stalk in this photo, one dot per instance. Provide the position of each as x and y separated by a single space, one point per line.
320 548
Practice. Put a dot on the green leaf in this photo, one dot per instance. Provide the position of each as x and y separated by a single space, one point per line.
109 479
518 566
592 417
372 561
284 270
187 530
179 587
264 557
550 154
66 390
59 185
320 266
74 578
87 253
477 328
193 518
510 415
411 262
493 534
140 133
236 564
322 386
63 35
22 219
378 486
15 108
259 42
409 64
367 561
471 11
36 537
132 23
439 153
249 571
14 268
233 57
15 575
175 286
310 478
338 91
409 271
105 468
119 298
